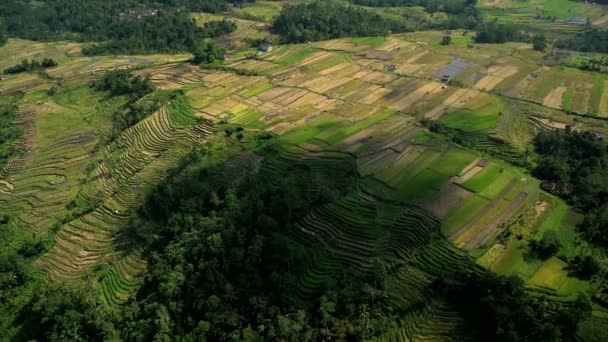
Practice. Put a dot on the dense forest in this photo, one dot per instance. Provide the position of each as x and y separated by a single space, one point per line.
161 27
592 40
159 33
431 6
574 165
462 13
495 32
326 20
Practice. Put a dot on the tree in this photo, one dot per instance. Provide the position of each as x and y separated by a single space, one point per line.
3 38
554 168
539 42
585 266
57 313
320 20
446 40
207 53
547 246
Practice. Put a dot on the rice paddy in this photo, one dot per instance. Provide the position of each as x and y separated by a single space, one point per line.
354 109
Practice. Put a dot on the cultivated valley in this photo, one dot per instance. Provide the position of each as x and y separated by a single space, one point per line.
374 170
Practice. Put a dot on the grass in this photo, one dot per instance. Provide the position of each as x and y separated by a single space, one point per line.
500 182
421 163
596 95
551 275
423 186
515 262
75 105
603 106
430 180
370 41
567 98
463 214
335 136
485 178
257 90
560 8
311 130
297 56
249 118
327 63
260 10
479 119
556 220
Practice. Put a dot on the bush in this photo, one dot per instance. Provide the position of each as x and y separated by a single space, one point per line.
121 82
494 32
547 246
585 267
32 66
208 53
446 40
539 42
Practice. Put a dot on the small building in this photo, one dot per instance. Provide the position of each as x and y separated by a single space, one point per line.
265 47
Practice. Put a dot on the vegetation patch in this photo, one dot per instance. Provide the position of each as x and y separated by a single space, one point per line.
551 275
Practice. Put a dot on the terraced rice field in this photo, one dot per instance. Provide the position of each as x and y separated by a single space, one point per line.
354 112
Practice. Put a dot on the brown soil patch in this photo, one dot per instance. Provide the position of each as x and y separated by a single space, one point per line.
417 56
554 98
495 75
325 84
427 89
375 96
408 69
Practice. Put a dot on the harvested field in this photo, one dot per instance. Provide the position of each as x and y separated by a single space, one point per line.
554 98
494 76
426 90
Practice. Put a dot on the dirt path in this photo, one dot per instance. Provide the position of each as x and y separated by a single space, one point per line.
554 98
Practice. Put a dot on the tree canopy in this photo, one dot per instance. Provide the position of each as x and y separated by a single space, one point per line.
169 29
574 165
320 20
